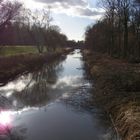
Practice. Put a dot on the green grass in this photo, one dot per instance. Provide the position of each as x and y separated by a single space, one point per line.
15 50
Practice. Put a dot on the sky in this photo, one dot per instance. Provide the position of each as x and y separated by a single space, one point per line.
72 16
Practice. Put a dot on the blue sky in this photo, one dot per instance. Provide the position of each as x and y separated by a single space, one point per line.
72 16
73 27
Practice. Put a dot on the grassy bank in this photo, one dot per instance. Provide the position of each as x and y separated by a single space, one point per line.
13 66
16 50
117 90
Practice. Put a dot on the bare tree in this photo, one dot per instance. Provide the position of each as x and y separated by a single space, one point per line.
109 6
125 5
136 25
41 21
8 12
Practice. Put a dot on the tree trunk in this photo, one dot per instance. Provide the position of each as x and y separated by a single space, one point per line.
125 51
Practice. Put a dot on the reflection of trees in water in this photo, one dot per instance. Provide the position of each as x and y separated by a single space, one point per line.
86 71
5 103
35 93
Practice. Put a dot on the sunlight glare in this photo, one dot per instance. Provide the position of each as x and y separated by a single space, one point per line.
5 118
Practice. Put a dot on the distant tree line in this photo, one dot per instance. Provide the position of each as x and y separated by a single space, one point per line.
20 26
75 44
118 33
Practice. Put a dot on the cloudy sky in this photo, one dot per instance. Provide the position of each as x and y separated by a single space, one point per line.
72 16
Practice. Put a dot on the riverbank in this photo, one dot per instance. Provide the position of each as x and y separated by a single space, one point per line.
16 50
117 91
13 66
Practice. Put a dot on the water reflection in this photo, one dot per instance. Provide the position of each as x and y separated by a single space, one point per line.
16 133
7 131
54 104
35 93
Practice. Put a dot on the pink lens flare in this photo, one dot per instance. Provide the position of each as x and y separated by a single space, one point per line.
5 121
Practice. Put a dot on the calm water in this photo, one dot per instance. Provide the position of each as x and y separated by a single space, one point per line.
52 104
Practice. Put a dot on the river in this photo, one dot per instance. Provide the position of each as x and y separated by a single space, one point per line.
53 104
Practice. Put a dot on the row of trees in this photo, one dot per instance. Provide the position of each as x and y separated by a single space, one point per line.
20 26
118 33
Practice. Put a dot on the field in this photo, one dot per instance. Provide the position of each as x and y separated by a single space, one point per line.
15 50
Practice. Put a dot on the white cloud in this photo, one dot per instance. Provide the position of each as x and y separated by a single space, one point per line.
79 8
31 4
68 2
88 11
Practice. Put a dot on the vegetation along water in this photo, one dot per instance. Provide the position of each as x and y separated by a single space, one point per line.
70 70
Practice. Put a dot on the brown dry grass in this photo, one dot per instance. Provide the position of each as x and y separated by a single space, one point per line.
117 90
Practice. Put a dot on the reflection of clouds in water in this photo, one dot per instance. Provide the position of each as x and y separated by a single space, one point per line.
26 109
65 95
9 93
7 117
17 85
68 81
71 64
